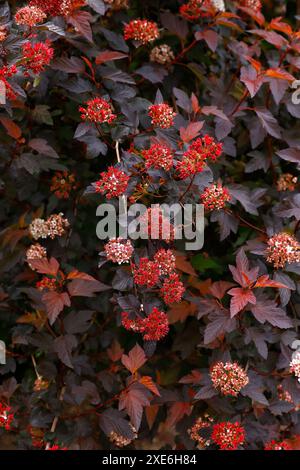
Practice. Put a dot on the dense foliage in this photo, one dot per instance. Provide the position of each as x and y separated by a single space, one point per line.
143 343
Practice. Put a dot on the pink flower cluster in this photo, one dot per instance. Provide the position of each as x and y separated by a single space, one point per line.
30 16
154 327
215 197
200 424
97 110
143 31
194 159
283 248
228 377
119 250
112 182
278 445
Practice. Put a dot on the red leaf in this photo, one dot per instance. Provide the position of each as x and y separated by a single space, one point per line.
191 131
135 359
134 400
219 288
177 411
210 37
241 297
265 281
106 56
12 128
86 288
148 383
55 303
81 22
45 266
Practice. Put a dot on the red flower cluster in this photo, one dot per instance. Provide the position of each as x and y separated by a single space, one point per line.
119 250
35 57
56 447
228 436
35 252
30 16
97 110
215 197
58 7
113 182
283 248
198 426
165 261
147 274
162 115
158 156
274 445
62 184
194 159
228 377
143 31
47 283
286 182
172 289
6 417
255 5
5 73
154 327
195 9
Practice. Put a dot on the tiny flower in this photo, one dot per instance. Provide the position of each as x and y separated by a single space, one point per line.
62 184
228 377
295 365
195 158
284 395
35 57
162 54
143 31
278 445
117 5
147 273
215 197
6 416
283 248
119 250
158 156
97 110
113 183
162 115
228 436
195 9
200 424
34 252
121 441
5 73
286 182
172 289
55 447
254 5
30 16
40 384
165 261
